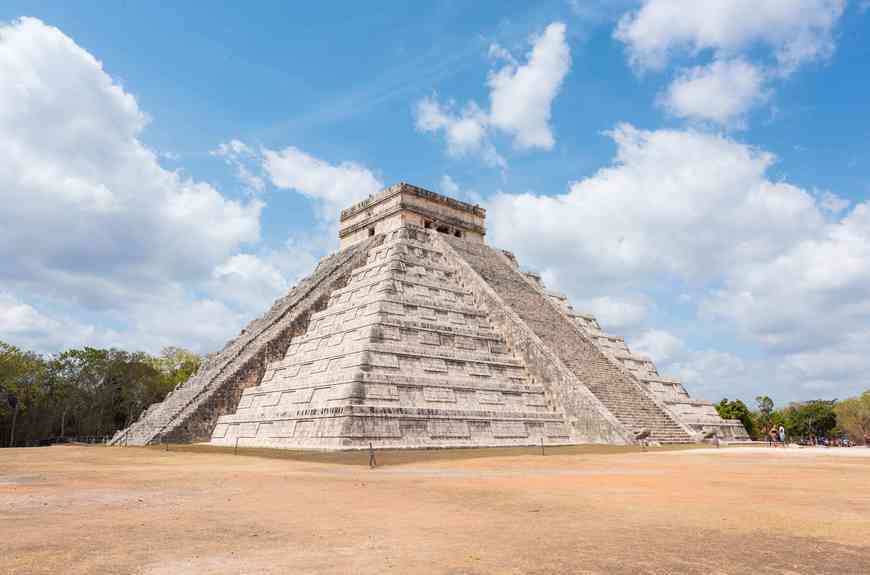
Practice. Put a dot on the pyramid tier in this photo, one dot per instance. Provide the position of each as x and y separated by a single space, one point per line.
696 414
400 357
620 393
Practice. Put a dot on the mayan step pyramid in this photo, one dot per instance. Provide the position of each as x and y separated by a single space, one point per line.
418 334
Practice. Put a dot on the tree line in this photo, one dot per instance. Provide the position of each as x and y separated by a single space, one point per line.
82 393
92 392
806 421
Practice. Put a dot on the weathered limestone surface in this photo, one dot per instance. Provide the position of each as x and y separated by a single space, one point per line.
620 394
190 412
698 415
404 204
418 334
400 357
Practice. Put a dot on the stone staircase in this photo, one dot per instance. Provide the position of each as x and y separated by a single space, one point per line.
190 411
619 393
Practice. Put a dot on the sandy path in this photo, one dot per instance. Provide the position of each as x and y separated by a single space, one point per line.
111 510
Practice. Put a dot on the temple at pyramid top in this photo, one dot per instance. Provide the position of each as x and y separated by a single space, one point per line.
404 204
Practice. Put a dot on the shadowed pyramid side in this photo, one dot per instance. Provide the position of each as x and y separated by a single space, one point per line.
190 411
698 415
621 395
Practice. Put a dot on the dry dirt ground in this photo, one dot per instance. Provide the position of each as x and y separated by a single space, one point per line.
134 510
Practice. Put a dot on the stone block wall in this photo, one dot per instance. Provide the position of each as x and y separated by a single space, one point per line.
190 412
400 357
589 420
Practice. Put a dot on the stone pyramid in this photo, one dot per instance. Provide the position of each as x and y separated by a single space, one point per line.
418 334
401 355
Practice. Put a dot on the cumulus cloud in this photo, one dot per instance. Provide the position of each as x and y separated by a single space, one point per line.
712 374
725 89
521 98
613 312
86 196
465 131
659 345
335 187
813 293
689 211
25 325
332 187
722 92
833 203
93 230
673 202
253 281
796 31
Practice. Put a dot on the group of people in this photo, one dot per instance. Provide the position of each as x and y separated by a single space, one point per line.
776 435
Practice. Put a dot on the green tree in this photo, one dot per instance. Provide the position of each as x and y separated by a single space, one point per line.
853 416
765 409
21 384
176 365
82 392
810 419
736 409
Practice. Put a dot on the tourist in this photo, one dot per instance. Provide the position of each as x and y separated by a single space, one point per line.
771 436
782 435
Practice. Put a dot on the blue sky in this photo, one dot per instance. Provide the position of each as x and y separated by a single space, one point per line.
695 176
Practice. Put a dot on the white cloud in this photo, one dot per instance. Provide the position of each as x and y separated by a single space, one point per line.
26 326
465 132
722 373
253 281
812 294
249 280
796 31
750 43
612 312
659 345
682 203
92 226
831 202
521 98
687 212
238 155
722 92
109 205
334 186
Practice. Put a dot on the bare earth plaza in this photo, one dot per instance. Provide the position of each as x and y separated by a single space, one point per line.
100 510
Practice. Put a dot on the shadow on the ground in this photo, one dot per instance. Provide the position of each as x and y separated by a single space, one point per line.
386 457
